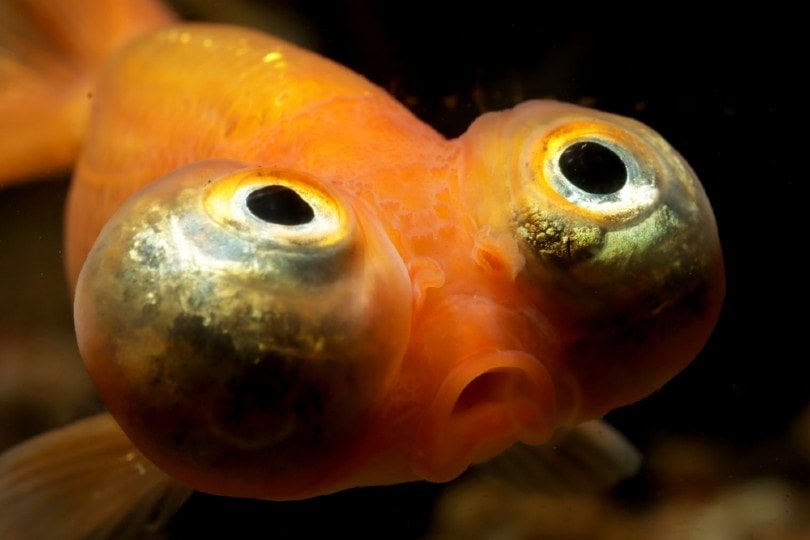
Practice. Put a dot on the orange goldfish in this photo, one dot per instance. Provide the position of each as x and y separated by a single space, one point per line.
286 285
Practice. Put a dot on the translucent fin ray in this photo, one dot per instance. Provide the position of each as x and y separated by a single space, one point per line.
85 480
586 458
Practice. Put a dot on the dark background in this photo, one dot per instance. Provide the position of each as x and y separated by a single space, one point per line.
723 89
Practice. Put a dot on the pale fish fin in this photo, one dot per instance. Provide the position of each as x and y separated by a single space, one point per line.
588 457
85 480
50 54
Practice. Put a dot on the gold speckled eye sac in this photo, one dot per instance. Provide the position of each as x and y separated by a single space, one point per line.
608 174
241 323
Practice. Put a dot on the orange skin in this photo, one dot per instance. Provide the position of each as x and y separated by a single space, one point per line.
491 358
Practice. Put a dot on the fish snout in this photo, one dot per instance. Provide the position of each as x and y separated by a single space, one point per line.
493 389
241 323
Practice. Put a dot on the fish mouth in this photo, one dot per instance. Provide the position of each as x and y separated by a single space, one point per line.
487 402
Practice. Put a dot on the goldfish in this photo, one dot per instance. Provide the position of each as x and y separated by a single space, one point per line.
286 285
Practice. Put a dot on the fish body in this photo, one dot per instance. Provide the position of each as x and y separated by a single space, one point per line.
287 285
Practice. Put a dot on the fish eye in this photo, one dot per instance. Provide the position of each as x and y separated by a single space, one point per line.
579 181
241 318
593 167
603 203
282 209
605 172
280 205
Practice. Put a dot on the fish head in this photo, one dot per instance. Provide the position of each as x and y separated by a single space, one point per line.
268 332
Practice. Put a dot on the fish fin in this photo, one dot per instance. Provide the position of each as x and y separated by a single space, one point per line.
50 54
585 458
85 480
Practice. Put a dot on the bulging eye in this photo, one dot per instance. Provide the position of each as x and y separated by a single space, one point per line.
607 174
611 221
241 324
282 209
602 189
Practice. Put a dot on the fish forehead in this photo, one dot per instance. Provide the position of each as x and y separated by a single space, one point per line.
199 91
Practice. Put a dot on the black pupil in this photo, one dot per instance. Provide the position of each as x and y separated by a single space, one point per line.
280 205
593 168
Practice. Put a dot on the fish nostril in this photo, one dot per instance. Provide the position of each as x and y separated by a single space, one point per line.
593 168
279 205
